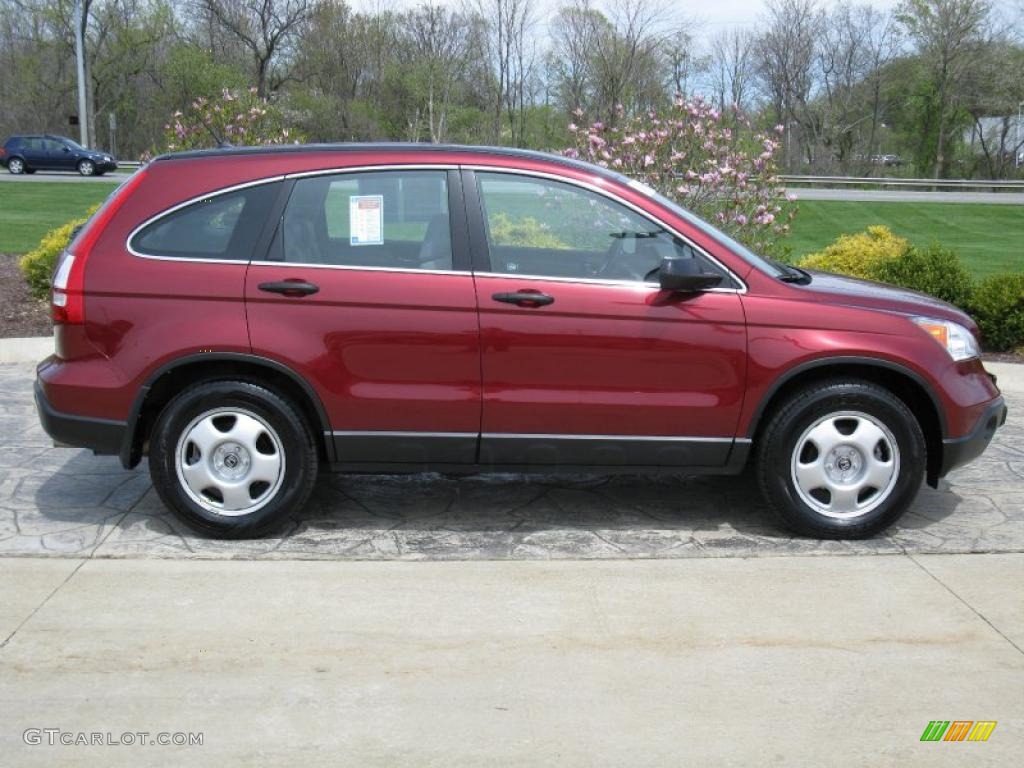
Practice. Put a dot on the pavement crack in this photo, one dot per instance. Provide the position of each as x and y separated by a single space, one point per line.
45 600
974 610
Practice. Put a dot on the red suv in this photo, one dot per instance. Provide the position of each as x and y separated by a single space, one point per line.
245 316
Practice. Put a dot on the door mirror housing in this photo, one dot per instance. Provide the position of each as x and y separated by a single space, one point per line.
684 275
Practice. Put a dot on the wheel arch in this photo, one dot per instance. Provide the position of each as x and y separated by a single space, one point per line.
167 380
903 382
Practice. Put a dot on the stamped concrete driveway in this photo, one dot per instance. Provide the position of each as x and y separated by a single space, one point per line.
61 501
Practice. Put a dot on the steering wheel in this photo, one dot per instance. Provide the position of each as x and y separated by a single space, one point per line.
614 259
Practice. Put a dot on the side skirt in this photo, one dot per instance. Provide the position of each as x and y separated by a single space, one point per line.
454 452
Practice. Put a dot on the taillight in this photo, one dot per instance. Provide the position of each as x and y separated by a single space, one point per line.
67 303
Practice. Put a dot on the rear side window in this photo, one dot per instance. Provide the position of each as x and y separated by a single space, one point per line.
223 226
382 219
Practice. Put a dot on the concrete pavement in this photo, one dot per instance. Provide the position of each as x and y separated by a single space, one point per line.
775 661
109 178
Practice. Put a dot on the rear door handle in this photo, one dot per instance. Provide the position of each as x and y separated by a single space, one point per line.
525 298
290 287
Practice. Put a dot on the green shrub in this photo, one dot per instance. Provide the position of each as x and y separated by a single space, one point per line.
998 307
526 231
933 270
37 265
858 255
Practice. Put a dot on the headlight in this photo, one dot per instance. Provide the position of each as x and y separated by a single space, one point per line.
957 340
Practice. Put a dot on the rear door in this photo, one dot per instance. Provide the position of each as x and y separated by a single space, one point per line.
585 360
33 149
367 292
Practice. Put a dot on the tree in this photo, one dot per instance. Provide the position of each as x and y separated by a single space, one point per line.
948 34
439 45
785 53
731 68
265 28
509 26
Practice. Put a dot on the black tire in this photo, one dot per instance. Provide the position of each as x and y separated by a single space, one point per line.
297 445
806 407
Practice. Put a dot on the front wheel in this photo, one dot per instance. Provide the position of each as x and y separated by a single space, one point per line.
841 459
232 459
86 167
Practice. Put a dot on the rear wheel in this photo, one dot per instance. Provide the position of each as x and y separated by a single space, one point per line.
841 459
232 459
16 165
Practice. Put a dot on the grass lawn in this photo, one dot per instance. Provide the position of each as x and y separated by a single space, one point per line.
29 209
988 238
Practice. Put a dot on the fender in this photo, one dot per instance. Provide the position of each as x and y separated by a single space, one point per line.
127 453
821 362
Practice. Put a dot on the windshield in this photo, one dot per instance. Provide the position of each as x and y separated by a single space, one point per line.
769 267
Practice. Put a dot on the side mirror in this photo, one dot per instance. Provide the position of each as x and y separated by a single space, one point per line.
66 148
684 275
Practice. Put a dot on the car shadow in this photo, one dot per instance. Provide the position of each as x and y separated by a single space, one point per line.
481 516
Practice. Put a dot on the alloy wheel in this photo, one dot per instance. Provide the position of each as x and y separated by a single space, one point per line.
845 464
230 461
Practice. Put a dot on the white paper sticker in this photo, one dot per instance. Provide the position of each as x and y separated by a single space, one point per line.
366 219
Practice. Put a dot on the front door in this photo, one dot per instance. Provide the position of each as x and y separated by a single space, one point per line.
367 293
585 360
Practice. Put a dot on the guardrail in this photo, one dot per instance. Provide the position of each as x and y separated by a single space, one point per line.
884 181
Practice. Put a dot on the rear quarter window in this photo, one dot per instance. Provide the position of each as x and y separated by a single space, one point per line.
220 227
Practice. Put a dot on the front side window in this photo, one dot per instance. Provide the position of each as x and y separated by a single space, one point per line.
224 226
376 219
547 228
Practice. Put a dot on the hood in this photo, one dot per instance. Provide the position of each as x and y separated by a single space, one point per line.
850 291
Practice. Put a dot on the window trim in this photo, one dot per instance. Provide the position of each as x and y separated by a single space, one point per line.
461 252
177 207
484 247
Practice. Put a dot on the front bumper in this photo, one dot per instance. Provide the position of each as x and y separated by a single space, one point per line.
101 436
960 450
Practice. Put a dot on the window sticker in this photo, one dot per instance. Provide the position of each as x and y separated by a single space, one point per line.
366 219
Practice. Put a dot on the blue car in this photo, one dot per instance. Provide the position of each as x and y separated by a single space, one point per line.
43 152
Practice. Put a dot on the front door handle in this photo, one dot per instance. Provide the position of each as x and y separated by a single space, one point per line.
290 287
525 298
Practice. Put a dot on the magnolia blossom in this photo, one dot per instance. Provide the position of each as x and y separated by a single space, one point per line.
234 115
727 168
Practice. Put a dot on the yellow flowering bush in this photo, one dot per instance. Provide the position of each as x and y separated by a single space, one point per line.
37 265
860 255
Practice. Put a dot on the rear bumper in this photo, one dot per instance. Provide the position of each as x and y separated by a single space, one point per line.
958 451
98 435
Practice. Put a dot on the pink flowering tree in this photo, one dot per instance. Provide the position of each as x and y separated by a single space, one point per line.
239 117
715 165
